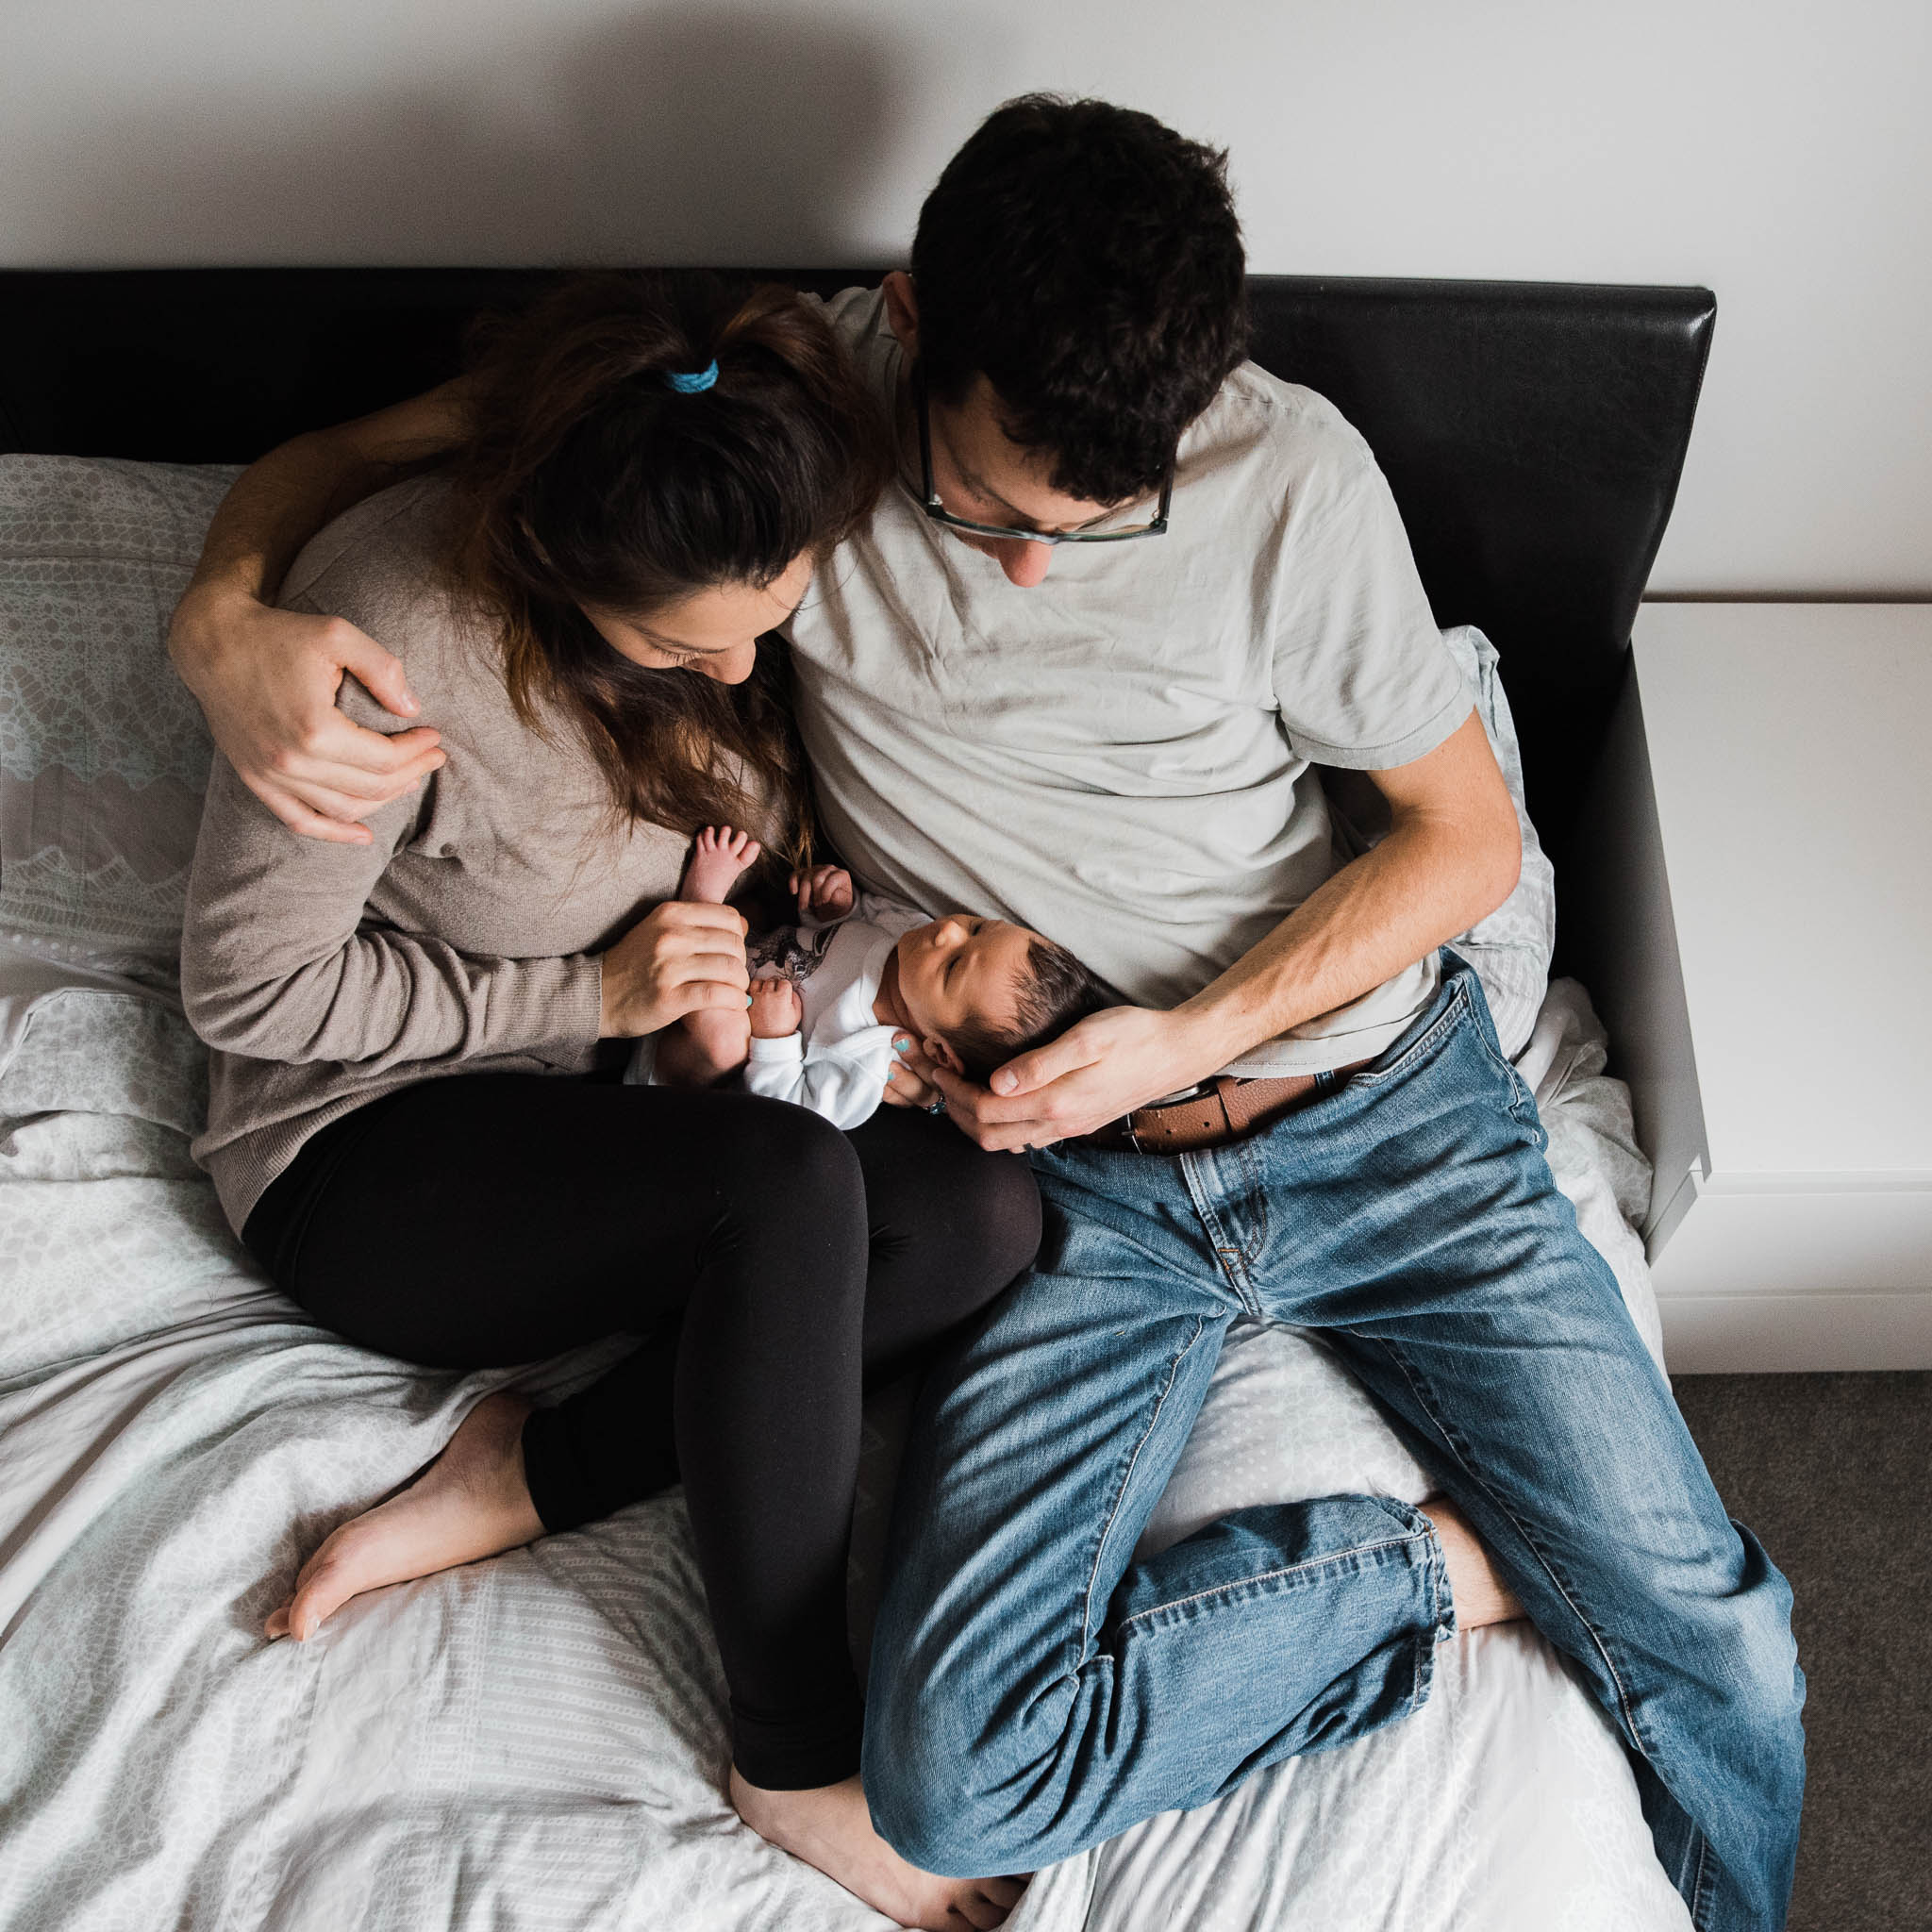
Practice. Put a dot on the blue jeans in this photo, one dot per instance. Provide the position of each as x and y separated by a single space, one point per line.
1034 1689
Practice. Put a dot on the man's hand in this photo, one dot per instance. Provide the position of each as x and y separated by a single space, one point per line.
267 680
1105 1066
824 893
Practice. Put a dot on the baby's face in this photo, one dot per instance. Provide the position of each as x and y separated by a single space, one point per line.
961 968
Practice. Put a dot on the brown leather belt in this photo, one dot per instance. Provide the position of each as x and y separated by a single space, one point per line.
1232 1110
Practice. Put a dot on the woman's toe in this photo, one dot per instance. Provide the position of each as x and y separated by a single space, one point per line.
321 1592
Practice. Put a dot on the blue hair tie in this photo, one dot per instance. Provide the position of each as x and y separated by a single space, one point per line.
695 382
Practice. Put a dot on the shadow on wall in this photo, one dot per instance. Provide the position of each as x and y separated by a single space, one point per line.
722 136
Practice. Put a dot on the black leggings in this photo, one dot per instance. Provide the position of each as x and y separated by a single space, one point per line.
475 1221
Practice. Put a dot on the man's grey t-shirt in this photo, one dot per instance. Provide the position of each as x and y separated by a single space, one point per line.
1118 756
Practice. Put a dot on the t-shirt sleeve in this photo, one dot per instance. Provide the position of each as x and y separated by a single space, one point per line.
1362 678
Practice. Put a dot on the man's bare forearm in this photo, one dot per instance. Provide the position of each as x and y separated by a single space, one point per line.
1453 855
1423 884
276 505
282 500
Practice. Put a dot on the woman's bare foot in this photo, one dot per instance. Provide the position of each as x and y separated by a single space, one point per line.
719 856
470 1503
831 1828
1475 1584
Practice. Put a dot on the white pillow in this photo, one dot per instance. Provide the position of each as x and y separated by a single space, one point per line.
104 755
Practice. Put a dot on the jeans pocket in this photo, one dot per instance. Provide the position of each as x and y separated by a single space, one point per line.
1521 1104
1407 1053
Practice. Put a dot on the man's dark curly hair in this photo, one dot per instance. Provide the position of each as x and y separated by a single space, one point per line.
1087 261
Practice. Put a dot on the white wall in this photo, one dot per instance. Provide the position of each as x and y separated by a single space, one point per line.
1778 150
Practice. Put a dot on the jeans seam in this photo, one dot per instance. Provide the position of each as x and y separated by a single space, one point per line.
1520 1094
1441 1622
1258 1195
1228 1252
1126 1483
1698 1894
1273 1575
1563 1588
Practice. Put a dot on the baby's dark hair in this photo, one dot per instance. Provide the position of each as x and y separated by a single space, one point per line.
1056 991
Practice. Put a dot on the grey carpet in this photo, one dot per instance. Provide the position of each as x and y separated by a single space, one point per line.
1835 1474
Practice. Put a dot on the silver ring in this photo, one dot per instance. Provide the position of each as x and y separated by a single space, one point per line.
938 1107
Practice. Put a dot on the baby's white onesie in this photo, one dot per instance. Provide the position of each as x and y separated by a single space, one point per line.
838 1060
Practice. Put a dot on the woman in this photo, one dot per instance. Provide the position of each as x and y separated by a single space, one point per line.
413 1121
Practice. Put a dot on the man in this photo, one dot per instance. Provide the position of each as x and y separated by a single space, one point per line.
1075 674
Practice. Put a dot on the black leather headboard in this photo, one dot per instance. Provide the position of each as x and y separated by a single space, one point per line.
1533 433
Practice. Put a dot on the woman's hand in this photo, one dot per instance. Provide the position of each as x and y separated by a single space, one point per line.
909 1083
824 893
681 957
268 679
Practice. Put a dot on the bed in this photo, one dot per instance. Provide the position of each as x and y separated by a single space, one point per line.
539 1740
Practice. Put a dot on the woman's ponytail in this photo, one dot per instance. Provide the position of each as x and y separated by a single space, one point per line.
638 437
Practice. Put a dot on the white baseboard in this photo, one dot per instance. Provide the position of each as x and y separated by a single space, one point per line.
1795 1333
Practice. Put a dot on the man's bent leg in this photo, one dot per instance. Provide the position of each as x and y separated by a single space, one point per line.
1421 1224
1033 1690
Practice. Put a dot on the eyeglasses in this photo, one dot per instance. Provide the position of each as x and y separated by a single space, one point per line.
939 513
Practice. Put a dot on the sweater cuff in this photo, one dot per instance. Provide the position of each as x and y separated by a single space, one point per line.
575 1012
775 1052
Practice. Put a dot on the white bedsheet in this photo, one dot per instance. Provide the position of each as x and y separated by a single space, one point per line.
538 1741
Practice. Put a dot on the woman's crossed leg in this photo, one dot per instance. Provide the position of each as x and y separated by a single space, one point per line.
480 1221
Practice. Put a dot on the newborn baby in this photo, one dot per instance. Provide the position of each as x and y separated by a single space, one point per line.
828 994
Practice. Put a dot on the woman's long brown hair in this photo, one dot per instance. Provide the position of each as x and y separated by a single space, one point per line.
589 480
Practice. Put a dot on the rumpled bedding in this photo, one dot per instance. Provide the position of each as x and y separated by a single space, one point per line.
538 1741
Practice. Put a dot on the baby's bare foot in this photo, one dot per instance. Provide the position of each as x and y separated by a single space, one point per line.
703 1048
470 1503
1475 1584
831 1828
718 858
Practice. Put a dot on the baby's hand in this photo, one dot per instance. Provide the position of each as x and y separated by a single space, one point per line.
776 1010
824 893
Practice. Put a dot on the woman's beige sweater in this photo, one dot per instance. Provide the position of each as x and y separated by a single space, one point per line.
460 941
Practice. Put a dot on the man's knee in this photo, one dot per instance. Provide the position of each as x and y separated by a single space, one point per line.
1766 1687
1728 1639
936 1804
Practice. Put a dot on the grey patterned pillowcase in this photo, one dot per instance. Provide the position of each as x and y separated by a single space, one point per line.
102 754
